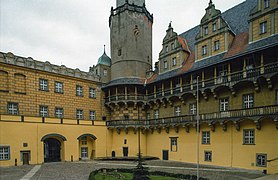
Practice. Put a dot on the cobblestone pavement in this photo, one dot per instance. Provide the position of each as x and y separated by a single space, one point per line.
81 170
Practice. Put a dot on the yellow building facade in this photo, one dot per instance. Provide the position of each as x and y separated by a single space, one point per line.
222 72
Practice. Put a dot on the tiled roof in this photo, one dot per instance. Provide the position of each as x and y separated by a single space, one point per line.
240 27
122 81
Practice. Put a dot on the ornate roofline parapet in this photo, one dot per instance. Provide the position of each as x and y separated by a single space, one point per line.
10 58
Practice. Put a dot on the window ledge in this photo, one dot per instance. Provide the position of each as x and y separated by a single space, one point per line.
248 144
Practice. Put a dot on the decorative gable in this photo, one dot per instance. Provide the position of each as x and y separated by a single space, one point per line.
215 35
174 51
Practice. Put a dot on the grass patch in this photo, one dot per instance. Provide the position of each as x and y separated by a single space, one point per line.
125 176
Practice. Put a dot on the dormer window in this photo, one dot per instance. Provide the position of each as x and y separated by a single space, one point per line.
216 45
214 28
165 64
266 3
206 30
204 50
173 46
174 61
166 49
263 27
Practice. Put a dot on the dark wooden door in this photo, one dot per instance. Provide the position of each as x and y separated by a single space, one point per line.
125 151
165 154
25 158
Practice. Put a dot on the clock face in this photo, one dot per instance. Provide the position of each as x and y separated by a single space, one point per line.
136 31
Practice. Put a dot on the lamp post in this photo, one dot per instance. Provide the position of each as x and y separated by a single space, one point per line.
198 128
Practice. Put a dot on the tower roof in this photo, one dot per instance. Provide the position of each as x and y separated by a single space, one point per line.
104 59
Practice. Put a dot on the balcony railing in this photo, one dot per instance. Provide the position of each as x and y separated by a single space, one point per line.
208 83
232 114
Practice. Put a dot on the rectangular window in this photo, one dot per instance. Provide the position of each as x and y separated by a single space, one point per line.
84 152
92 92
208 156
266 3
261 160
214 28
4 152
166 49
173 46
165 64
224 104
43 84
105 72
13 108
79 114
58 87
177 110
192 109
156 114
174 144
44 111
79 90
263 27
206 30
93 115
205 137
248 101
204 50
59 112
84 140
248 136
174 61
216 45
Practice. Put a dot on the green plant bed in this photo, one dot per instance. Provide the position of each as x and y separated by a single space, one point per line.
127 174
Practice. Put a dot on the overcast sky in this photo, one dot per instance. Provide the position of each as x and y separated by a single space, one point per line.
73 32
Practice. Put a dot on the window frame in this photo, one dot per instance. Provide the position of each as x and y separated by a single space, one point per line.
79 91
43 84
42 111
16 108
58 89
174 142
205 137
193 108
214 27
248 139
263 27
216 45
204 50
165 64
224 106
156 114
206 30
92 92
174 61
79 114
3 153
266 4
247 101
61 113
208 156
105 72
262 163
177 110
92 116
84 140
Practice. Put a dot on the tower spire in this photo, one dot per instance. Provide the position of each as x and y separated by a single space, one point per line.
210 2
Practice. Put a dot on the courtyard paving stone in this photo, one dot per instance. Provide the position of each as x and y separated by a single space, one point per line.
81 170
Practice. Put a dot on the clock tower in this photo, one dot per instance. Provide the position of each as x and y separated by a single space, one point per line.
131 39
